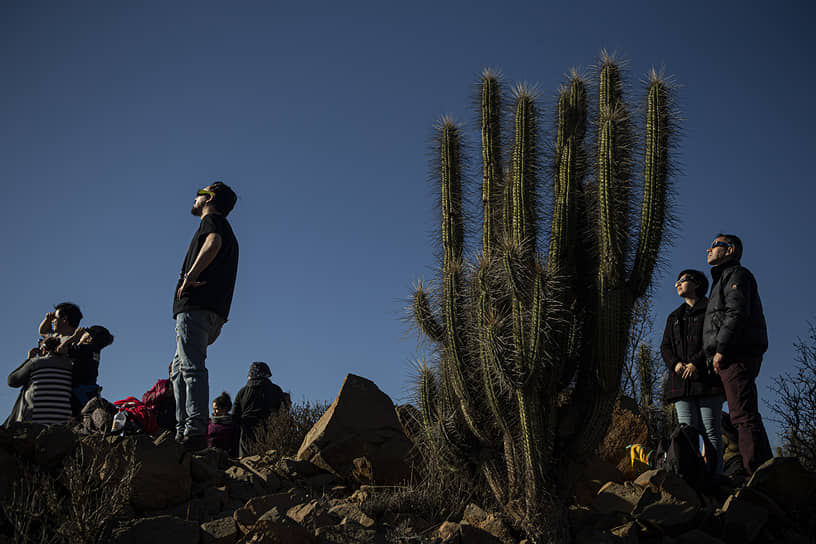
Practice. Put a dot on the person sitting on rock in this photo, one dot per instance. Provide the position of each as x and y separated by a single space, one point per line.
83 348
46 377
222 432
255 402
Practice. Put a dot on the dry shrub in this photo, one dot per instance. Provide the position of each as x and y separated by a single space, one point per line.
795 404
77 504
285 431
437 492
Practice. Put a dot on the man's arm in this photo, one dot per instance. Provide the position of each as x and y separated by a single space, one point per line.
737 296
45 326
205 257
737 293
73 339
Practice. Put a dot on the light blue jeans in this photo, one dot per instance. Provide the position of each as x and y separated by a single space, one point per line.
705 415
195 331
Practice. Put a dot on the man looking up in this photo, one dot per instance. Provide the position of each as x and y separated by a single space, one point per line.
200 307
62 322
734 340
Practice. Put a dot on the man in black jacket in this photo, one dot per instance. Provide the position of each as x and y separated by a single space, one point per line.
734 340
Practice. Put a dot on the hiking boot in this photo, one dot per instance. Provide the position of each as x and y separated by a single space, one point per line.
194 443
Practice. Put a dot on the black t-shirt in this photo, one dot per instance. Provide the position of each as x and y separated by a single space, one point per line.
85 359
216 294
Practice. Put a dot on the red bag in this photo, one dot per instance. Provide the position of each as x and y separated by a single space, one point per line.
139 414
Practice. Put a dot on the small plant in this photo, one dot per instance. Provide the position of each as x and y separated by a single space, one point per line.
285 431
795 404
79 504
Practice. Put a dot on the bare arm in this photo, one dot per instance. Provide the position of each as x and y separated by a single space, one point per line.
73 339
205 257
45 326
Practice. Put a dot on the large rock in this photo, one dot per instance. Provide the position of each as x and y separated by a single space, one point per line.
360 423
219 531
163 477
158 529
786 482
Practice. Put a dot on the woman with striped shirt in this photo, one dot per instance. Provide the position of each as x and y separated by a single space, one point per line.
47 379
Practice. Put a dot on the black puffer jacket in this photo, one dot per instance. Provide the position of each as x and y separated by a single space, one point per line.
734 322
683 343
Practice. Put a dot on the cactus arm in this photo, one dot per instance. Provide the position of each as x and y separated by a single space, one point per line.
424 316
523 202
492 184
653 208
452 245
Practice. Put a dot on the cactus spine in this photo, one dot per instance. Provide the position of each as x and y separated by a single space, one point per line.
531 347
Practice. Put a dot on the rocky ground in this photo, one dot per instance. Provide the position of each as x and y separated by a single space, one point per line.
331 491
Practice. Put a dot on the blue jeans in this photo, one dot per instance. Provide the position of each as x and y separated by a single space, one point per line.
195 331
705 415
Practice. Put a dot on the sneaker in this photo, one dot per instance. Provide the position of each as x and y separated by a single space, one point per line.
194 443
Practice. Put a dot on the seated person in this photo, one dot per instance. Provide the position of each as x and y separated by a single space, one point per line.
161 401
46 378
83 348
222 432
255 402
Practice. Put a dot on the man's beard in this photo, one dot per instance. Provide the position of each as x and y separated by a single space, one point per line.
195 211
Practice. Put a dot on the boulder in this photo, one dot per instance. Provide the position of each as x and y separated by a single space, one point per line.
786 481
311 515
163 476
627 427
348 533
596 473
246 516
52 445
351 512
661 510
674 485
219 531
284 531
696 536
614 497
158 528
243 484
9 471
477 517
742 520
462 533
361 422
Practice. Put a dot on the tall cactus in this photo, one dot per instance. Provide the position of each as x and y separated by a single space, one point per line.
531 346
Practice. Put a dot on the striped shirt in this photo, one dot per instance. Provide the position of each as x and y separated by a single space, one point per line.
49 394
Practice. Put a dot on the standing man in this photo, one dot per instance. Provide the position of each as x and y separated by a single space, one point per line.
200 307
734 340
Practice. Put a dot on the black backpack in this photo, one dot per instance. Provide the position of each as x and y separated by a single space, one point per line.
681 455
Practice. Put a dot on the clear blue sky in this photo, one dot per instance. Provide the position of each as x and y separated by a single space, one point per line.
319 114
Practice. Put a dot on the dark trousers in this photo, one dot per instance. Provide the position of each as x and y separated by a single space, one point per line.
743 407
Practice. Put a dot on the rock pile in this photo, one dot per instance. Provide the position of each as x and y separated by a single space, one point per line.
328 493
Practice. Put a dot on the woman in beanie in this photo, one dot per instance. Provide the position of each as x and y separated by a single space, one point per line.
254 403
693 387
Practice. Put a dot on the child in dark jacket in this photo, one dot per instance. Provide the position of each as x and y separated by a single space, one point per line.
222 432
83 348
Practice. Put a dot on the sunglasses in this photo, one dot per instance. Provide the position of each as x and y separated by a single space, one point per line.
683 279
204 192
719 243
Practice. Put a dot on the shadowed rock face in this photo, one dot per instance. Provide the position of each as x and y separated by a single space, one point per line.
361 424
